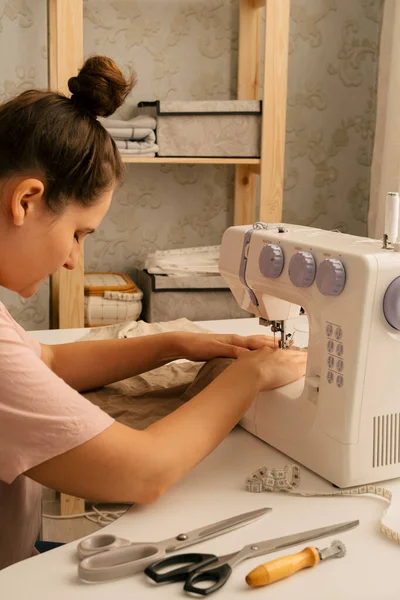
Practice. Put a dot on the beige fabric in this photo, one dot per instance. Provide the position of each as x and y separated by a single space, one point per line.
138 328
208 372
139 401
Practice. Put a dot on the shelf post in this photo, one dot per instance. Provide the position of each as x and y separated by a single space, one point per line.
277 20
65 50
65 57
248 89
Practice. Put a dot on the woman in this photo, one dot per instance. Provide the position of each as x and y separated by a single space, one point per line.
58 171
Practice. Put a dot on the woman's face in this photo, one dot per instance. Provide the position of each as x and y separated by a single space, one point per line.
34 242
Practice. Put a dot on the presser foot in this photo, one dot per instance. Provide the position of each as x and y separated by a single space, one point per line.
278 327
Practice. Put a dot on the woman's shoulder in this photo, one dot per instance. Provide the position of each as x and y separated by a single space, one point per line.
4 314
10 331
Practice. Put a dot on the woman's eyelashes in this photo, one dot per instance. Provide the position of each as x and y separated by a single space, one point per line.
80 235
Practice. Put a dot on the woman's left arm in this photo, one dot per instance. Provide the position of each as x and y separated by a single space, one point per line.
93 364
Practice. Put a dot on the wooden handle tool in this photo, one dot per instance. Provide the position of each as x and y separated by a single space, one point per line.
283 567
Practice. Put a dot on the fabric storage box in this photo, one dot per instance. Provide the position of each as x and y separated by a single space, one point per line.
207 128
197 298
110 298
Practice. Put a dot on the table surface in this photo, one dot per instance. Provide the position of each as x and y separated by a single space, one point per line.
215 490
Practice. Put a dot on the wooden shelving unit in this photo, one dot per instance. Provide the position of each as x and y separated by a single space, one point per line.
65 35
65 24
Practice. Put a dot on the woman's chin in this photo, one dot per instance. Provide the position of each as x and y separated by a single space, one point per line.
30 291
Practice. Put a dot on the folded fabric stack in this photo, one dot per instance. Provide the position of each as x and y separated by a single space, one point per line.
199 261
135 137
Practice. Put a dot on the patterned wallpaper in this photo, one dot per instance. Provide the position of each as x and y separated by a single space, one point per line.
330 120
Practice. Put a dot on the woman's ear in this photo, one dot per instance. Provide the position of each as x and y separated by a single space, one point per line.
26 198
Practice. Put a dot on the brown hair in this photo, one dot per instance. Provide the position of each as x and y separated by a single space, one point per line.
61 138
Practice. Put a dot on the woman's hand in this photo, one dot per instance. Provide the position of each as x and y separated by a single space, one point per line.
273 368
205 346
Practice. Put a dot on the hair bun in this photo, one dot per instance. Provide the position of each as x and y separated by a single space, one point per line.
100 87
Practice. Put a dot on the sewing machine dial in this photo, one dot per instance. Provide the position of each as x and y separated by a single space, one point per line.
331 277
302 269
271 261
391 304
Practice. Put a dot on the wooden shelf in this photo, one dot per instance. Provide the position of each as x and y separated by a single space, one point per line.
191 161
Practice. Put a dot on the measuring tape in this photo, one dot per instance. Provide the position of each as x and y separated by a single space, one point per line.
288 480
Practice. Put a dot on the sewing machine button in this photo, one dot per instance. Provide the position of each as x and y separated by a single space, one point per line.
338 333
340 365
271 261
329 376
331 346
329 329
339 381
331 362
339 349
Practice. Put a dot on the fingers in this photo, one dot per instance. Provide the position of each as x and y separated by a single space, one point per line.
298 353
284 352
251 342
254 342
230 351
233 346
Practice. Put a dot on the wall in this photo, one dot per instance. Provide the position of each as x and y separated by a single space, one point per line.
187 49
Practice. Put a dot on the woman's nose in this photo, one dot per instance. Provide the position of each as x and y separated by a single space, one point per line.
73 260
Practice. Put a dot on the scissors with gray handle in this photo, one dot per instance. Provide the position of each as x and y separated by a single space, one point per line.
106 556
215 570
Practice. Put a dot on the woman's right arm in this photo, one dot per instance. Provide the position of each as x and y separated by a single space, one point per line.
125 465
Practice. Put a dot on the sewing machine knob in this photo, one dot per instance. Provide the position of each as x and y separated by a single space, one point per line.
331 277
271 261
302 269
391 304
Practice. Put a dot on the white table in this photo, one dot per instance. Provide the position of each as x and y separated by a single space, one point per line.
215 490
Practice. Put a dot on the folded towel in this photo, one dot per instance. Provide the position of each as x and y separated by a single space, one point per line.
130 133
122 136
141 121
139 152
146 143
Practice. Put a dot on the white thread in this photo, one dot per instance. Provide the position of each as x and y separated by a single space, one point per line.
96 515
288 479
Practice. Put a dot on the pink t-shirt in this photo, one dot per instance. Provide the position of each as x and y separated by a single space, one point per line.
40 417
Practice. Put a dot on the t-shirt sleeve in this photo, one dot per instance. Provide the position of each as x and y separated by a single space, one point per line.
40 415
29 340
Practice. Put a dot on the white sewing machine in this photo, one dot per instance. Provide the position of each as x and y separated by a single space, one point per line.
342 420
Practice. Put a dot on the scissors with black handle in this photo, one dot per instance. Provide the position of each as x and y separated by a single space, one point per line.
216 570
104 556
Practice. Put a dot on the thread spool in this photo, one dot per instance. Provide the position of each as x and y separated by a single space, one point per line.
392 217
